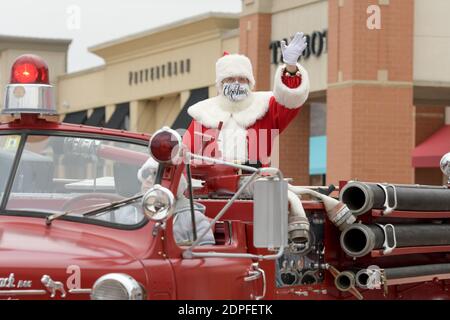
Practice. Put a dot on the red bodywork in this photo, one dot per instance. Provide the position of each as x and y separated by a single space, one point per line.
30 249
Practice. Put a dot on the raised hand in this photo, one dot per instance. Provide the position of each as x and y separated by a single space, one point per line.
294 50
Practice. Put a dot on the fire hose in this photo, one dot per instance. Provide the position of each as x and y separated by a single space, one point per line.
298 227
345 281
337 212
374 277
360 197
359 240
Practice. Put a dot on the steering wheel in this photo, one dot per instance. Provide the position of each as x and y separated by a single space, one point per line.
90 196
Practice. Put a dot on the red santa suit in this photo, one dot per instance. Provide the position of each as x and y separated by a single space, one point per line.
244 131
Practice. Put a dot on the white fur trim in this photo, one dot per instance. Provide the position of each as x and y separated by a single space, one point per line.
212 111
151 165
182 186
232 141
291 98
234 65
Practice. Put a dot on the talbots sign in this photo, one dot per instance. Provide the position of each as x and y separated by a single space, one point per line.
317 46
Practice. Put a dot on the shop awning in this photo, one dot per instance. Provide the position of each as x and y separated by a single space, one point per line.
117 120
76 117
183 119
317 155
429 153
97 118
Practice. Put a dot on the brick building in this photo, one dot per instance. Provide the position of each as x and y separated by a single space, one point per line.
385 90
379 71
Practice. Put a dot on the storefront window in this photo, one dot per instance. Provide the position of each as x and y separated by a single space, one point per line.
318 144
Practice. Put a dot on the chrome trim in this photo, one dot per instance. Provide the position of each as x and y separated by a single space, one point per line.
374 280
22 292
256 273
134 290
80 291
387 249
445 166
53 286
190 254
387 208
219 161
29 98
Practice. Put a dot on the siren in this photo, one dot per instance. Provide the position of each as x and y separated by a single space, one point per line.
29 90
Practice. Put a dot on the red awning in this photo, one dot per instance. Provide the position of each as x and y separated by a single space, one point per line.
429 153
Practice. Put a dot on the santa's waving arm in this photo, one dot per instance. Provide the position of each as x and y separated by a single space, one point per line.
291 84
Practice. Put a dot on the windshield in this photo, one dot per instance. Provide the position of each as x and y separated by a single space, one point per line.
8 149
57 174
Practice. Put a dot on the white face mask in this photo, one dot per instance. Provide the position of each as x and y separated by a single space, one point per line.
236 91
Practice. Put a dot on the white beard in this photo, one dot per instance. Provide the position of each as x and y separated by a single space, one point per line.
234 106
232 140
212 111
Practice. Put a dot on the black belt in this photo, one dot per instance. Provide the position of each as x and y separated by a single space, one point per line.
257 165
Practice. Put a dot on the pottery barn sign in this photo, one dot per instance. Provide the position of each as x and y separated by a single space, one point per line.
317 45
168 69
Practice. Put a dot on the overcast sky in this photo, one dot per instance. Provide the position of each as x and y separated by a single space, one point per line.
90 22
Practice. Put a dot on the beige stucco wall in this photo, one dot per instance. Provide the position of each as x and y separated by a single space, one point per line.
432 41
202 55
109 85
307 16
81 90
153 103
272 6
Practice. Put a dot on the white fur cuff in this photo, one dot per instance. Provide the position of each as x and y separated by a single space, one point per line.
291 98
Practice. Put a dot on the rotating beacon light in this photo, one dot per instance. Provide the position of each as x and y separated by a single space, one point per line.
29 90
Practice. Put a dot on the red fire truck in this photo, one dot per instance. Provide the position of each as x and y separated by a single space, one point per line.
74 223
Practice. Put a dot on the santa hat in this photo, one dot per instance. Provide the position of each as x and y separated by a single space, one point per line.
234 65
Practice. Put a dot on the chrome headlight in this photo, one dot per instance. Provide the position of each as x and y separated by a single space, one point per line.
158 203
117 286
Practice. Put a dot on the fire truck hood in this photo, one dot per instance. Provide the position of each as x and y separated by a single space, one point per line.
67 252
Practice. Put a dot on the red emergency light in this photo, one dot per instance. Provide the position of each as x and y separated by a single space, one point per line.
29 90
29 68
166 146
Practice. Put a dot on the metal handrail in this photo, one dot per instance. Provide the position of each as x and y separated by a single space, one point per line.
189 254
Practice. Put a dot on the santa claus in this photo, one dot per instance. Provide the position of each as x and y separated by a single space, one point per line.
240 125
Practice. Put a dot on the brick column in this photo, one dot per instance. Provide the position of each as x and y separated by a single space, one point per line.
254 41
294 148
370 120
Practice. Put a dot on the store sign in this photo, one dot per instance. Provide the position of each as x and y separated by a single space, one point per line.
317 46
169 69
